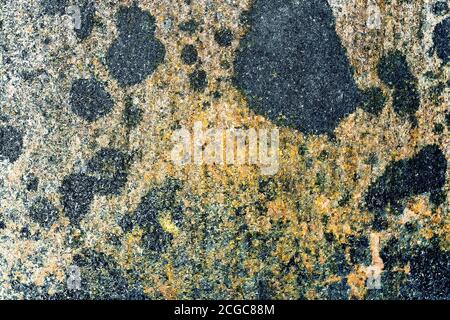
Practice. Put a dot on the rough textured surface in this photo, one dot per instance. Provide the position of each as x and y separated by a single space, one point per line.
87 116
292 66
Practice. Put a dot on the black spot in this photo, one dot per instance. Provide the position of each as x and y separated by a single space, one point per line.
223 37
136 53
126 223
87 20
188 26
217 94
101 278
393 255
338 290
189 54
89 99
109 167
265 292
380 222
394 71
438 197
339 264
268 187
447 120
359 250
157 200
32 183
25 232
406 100
329 237
441 40
423 173
2 225
429 276
438 128
373 100
245 18
198 80
132 115
77 194
293 68
54 7
440 8
430 273
11 143
44 212
156 239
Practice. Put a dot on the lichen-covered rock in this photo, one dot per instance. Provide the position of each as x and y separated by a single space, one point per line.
92 205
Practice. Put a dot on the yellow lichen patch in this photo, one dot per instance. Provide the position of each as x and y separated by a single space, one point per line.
168 225
357 282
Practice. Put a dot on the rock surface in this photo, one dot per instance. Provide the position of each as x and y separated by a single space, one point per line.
89 192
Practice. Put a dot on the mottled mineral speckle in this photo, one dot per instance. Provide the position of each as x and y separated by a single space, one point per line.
359 91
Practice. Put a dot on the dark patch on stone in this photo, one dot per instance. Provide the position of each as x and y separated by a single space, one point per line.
223 37
245 18
136 54
77 194
189 54
264 290
11 143
109 167
373 100
54 7
189 26
359 250
430 273
380 222
438 197
429 276
338 290
425 172
438 128
339 264
157 200
268 187
441 40
198 80
90 100
101 279
447 120
25 232
394 71
126 223
87 11
132 115
406 100
393 255
2 225
156 239
44 212
217 95
440 8
293 68
32 183
329 237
